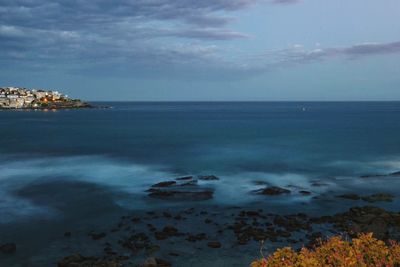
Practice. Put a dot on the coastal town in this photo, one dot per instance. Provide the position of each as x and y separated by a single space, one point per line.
23 98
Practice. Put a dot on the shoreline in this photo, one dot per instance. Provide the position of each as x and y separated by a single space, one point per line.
230 236
201 233
89 106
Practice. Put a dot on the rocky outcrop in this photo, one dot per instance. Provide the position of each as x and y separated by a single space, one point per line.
78 260
381 175
208 177
370 198
156 262
183 188
365 220
193 195
214 244
272 191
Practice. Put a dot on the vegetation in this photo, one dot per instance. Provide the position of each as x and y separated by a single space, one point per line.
364 251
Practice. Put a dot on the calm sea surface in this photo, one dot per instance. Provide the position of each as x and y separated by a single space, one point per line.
63 169
134 144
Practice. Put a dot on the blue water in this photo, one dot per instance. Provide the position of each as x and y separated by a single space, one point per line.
63 168
134 144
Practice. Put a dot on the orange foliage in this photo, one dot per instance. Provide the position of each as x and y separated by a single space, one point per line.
364 251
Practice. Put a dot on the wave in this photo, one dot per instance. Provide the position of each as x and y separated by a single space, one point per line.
133 179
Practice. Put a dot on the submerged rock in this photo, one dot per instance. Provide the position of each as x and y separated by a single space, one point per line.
150 262
97 236
156 262
164 184
208 178
350 196
214 244
380 175
8 248
185 178
195 195
272 191
378 197
371 198
78 260
365 220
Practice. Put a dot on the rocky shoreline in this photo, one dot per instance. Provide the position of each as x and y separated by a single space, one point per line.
22 98
156 238
175 236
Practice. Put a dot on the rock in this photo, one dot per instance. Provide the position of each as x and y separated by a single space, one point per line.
214 244
371 198
380 175
8 248
378 197
167 214
163 263
252 213
364 220
151 249
67 234
195 195
135 242
260 183
293 222
155 262
272 191
197 237
208 178
207 221
78 260
350 196
185 178
168 231
189 183
150 262
97 236
305 193
164 184
318 184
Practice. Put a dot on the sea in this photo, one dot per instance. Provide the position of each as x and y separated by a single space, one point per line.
61 169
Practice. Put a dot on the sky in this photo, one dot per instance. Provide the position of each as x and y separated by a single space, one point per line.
203 50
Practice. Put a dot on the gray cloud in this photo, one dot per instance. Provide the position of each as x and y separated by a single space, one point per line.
69 30
371 49
286 1
297 54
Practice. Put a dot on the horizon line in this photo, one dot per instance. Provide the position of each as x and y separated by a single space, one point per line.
221 101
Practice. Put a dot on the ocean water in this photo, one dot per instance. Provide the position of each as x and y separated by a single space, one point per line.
132 145
59 168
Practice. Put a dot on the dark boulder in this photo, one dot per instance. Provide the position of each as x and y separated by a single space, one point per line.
305 193
78 260
350 196
185 178
208 178
378 197
195 195
8 248
214 244
272 191
164 184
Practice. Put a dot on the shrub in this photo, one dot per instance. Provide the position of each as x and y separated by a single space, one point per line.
364 251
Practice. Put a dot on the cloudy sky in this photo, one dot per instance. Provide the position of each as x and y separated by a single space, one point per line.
203 49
